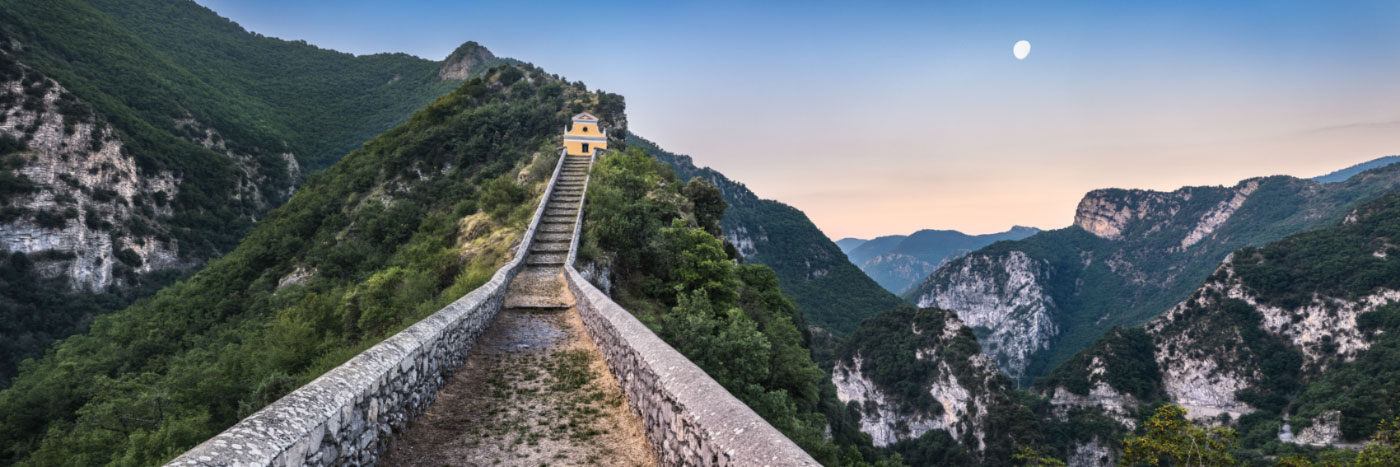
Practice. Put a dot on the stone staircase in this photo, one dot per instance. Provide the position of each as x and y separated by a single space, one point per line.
540 285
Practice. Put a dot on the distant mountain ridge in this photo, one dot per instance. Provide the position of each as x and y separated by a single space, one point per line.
1343 174
848 243
898 262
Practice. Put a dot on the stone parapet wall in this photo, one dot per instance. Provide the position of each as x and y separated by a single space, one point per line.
688 417
348 415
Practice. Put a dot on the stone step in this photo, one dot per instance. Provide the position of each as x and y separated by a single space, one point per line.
554 236
558 220
558 228
537 259
550 247
569 211
540 309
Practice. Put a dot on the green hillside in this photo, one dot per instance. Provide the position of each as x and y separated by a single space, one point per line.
362 250
237 118
831 292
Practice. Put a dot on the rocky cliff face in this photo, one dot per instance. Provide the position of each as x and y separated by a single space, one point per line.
1002 299
1115 214
87 210
887 420
82 208
1206 361
470 59
914 371
1203 361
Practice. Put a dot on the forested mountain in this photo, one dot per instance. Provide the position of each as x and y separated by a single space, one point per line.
898 262
832 293
412 220
1307 327
139 138
1130 255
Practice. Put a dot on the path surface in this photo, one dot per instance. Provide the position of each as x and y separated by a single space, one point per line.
534 390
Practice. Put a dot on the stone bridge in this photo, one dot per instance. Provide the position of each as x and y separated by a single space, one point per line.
551 371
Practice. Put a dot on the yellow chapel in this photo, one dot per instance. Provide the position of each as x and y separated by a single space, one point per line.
584 137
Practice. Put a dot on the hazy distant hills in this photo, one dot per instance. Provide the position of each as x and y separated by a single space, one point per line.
1348 172
897 262
847 244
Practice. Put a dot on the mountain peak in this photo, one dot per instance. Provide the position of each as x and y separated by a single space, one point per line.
468 59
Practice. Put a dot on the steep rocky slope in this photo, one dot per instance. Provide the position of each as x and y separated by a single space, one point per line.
833 294
1305 326
141 138
899 262
910 374
1130 255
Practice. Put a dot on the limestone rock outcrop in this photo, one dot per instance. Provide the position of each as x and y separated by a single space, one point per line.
1001 296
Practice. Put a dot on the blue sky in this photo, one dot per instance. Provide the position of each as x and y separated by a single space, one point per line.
887 117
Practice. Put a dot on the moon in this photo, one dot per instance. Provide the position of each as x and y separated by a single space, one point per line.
1021 50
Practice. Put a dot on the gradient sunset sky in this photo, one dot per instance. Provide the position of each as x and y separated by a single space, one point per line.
884 118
